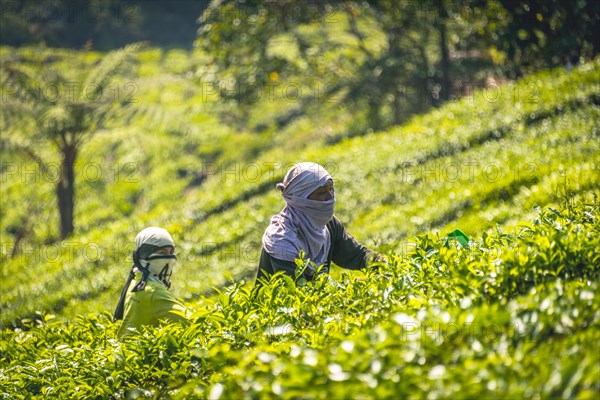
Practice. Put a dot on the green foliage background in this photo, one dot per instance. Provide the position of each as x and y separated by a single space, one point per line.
515 166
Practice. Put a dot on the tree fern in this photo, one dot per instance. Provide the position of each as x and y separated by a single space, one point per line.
33 116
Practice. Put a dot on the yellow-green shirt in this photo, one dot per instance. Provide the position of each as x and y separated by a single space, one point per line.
150 306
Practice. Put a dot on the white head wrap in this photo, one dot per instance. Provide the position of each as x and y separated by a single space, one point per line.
151 264
155 236
301 223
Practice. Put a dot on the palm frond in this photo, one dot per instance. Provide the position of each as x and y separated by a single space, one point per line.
14 112
23 83
100 76
20 144
154 117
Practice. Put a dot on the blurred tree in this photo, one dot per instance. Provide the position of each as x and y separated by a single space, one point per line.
429 47
403 78
547 33
236 34
46 107
99 24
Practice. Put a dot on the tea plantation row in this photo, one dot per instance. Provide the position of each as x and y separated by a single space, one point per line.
483 161
513 314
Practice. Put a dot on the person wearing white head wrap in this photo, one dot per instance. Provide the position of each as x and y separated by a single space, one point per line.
307 223
301 224
149 301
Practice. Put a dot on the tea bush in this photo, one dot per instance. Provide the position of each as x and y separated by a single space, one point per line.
476 163
513 314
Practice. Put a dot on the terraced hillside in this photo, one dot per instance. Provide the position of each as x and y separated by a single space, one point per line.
510 315
478 163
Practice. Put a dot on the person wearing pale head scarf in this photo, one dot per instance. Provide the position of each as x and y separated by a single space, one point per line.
148 300
307 223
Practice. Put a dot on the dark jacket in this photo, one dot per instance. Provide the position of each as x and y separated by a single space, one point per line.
345 252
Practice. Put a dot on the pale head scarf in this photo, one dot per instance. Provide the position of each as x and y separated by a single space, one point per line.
152 265
155 265
301 225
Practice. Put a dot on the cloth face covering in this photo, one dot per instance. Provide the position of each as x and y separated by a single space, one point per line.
151 264
301 225
160 267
